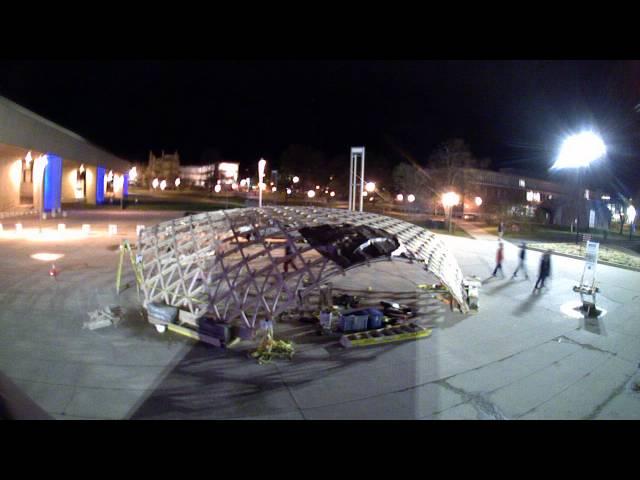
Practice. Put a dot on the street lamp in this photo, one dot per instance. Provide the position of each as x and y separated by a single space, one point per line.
411 198
311 194
478 201
450 200
296 179
580 150
370 187
399 197
577 151
261 165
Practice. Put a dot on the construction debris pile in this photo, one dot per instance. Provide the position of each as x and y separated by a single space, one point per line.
270 348
105 317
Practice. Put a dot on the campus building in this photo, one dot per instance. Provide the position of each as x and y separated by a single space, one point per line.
199 175
224 174
510 194
43 165
164 167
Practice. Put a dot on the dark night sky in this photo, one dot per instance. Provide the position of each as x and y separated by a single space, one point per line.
511 111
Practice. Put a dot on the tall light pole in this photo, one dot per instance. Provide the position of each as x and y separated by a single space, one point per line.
578 151
261 165
450 200
357 153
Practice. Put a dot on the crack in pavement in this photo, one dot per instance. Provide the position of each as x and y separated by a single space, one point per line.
607 400
587 346
486 409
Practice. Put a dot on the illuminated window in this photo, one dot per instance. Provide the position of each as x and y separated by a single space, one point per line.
27 169
521 183
81 185
109 182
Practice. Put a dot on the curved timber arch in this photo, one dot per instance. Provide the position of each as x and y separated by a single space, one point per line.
247 263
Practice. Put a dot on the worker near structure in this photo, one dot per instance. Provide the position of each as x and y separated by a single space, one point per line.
522 261
288 261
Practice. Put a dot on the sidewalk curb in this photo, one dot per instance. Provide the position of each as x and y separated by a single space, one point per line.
609 264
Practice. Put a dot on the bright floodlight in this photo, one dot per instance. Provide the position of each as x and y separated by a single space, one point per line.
478 201
333 194
580 150
400 197
133 174
163 184
450 199
631 213
261 165
370 187
217 188
311 194
411 198
296 179
177 182
288 191
155 183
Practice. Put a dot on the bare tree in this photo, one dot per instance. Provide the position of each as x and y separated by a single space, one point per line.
448 161
411 179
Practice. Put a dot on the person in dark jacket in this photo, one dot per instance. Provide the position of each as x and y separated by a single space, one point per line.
545 269
499 258
522 261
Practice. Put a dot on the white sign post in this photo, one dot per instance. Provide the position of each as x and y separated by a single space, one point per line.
590 261
588 280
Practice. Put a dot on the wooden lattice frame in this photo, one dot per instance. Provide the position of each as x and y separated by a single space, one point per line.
230 263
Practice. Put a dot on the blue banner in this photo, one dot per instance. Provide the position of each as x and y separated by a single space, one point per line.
52 183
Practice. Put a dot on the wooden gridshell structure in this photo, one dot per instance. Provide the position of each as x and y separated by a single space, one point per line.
250 263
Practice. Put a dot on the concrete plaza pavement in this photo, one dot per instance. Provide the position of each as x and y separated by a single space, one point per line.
523 355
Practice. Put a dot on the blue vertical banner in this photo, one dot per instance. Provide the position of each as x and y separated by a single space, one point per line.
52 183
125 185
100 185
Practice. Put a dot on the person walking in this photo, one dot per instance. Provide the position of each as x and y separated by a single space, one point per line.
499 258
545 270
289 261
522 263
501 229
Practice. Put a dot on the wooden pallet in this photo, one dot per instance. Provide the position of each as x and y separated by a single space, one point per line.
394 333
191 333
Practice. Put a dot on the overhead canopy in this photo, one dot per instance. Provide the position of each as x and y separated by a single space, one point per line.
22 128
256 262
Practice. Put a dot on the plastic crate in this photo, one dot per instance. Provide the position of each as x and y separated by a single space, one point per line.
353 322
376 318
